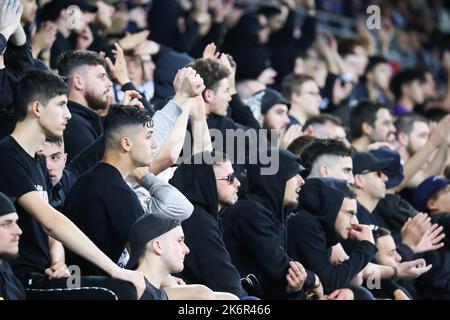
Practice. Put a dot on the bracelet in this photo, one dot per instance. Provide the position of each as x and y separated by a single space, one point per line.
395 275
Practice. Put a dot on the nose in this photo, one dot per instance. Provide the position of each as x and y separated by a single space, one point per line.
17 230
237 182
108 83
354 220
68 114
186 249
351 179
384 177
301 181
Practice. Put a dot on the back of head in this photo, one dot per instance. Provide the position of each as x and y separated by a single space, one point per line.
36 85
323 149
365 111
73 61
322 119
121 117
299 144
211 71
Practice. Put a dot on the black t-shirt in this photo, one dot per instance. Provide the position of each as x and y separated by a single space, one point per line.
153 293
20 174
10 287
104 207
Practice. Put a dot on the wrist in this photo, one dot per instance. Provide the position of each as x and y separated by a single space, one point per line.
123 80
395 273
180 98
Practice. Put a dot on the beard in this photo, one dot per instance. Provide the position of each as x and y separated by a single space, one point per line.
95 102
410 150
291 206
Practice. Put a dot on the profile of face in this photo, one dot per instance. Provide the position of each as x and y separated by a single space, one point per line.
264 31
173 249
387 254
104 15
55 159
418 137
346 218
292 191
9 236
227 184
309 99
358 60
141 145
29 10
381 76
341 168
373 184
148 66
96 86
330 130
276 117
219 98
53 117
441 201
414 91
429 86
383 129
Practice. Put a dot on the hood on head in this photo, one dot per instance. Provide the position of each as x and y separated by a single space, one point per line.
197 182
323 197
271 187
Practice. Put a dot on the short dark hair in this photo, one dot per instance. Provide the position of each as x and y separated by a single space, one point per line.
36 85
374 61
365 111
299 144
349 192
292 82
322 119
70 61
379 232
405 122
212 71
120 116
321 147
405 77
348 45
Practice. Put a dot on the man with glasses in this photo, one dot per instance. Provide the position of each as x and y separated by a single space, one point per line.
304 95
209 183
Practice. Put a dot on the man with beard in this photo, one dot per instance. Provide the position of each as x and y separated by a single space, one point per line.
89 92
209 182
371 122
42 113
255 231
10 286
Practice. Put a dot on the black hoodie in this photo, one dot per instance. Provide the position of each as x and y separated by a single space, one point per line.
208 262
254 228
312 233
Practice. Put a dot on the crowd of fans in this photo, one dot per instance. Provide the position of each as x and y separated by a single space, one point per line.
224 149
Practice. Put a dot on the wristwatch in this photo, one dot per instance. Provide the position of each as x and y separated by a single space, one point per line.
3 44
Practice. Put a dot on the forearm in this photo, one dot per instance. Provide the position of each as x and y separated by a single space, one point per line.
19 37
437 164
57 253
171 148
201 137
164 121
373 269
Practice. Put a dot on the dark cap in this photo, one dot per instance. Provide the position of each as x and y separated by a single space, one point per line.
52 9
427 189
394 171
145 229
367 162
6 206
270 98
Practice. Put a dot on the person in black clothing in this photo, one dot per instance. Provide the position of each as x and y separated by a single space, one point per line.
327 215
24 179
254 229
157 250
210 188
101 203
433 196
10 286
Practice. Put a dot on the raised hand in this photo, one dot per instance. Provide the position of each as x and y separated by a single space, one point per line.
187 84
119 69
10 14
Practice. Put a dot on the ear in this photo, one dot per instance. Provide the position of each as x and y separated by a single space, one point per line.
36 108
403 139
324 171
126 144
78 82
366 128
156 246
309 131
359 183
431 205
208 95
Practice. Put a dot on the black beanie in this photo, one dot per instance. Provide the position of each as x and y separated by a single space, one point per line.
6 206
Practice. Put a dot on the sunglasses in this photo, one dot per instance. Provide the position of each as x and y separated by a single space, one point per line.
230 178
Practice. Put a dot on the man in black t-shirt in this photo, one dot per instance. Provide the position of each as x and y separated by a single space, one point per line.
101 203
42 112
157 250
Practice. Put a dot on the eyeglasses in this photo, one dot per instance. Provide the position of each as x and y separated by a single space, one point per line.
230 178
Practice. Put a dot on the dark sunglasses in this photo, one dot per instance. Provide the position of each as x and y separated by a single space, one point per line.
230 178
